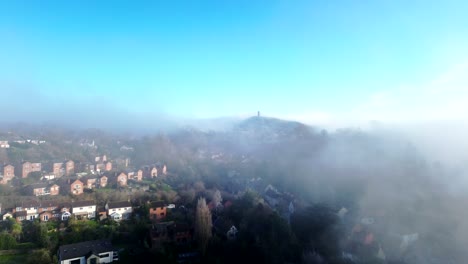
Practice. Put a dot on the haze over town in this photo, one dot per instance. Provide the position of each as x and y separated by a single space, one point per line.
226 132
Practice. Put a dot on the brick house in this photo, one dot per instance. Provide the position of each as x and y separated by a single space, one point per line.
76 187
139 175
57 169
157 210
28 167
108 165
69 167
33 209
122 179
54 189
8 174
46 216
90 183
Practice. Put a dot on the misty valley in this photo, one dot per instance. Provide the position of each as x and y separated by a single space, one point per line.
264 190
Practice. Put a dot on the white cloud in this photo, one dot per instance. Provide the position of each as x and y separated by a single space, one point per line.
443 98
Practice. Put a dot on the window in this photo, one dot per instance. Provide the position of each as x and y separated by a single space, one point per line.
76 261
162 214
93 261
104 255
113 210
45 218
81 208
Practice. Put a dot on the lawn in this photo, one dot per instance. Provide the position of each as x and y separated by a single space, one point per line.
13 259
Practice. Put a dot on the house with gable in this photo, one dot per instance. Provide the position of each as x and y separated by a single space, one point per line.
157 210
8 174
84 209
28 167
103 181
76 188
69 167
122 179
119 210
45 189
89 252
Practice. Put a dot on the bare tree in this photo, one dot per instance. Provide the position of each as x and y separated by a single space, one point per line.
203 224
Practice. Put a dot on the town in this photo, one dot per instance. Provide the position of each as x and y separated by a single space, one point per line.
200 197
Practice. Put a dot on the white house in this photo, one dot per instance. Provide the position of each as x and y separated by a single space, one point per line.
96 251
119 210
4 144
84 209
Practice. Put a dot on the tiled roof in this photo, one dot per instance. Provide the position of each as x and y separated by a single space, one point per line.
84 248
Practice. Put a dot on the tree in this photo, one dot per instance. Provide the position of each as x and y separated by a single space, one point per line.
7 241
16 229
203 224
40 256
217 198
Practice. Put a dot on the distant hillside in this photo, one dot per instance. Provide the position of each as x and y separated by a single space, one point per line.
268 129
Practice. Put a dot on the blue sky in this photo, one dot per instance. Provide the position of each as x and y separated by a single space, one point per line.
324 62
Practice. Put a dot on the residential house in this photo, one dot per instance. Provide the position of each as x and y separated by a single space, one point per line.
46 216
7 215
139 175
31 210
65 212
87 167
84 209
164 169
57 169
100 167
29 167
76 187
119 210
28 210
40 189
122 179
108 166
90 183
45 189
168 232
8 174
54 189
4 144
48 211
157 210
89 252
69 167
21 216
103 181
154 172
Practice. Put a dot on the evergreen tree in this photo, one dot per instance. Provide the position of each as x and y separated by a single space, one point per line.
203 224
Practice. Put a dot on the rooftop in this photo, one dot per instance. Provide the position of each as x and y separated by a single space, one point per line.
119 204
84 248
